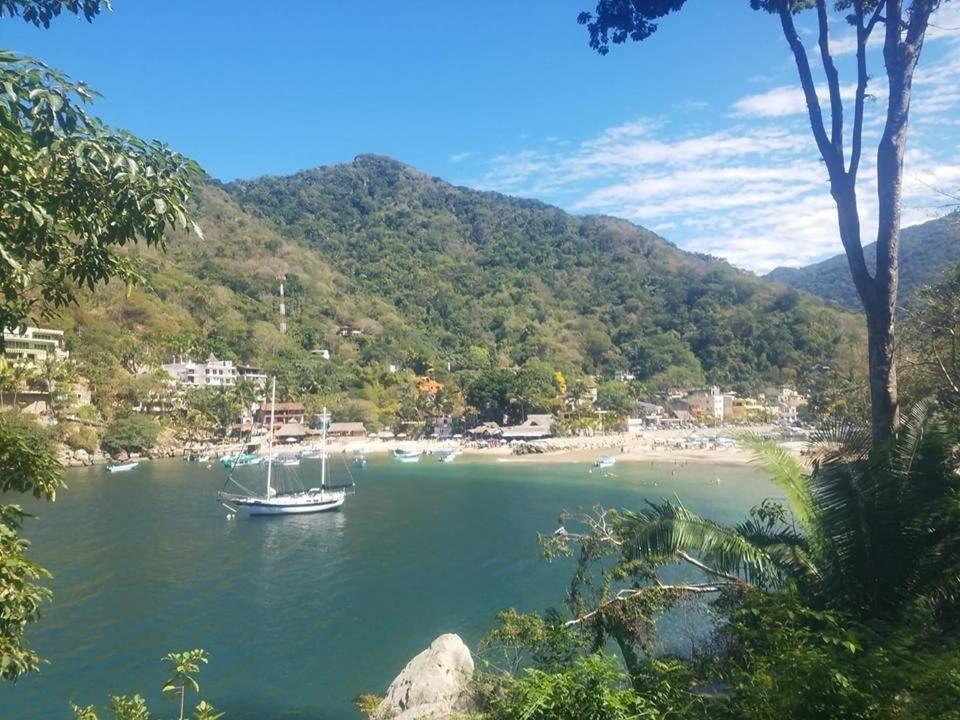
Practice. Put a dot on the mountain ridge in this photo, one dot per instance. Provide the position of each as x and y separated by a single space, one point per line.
925 251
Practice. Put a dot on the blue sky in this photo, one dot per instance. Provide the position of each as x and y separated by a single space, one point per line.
698 133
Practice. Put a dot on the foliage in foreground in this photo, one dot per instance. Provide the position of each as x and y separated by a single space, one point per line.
28 464
840 602
184 668
593 687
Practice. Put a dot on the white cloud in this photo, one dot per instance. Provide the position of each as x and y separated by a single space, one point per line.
752 188
787 100
460 157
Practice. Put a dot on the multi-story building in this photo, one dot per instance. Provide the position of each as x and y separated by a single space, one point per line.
252 374
212 373
707 403
789 402
33 345
283 412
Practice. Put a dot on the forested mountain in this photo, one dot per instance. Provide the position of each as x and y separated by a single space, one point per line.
429 274
467 268
926 251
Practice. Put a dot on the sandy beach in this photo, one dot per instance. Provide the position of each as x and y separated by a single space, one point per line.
662 446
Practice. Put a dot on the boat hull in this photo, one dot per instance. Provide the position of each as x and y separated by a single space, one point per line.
294 509
407 458
295 505
127 467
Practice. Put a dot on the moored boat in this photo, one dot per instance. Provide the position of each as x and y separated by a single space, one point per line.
280 498
605 461
122 467
240 460
403 455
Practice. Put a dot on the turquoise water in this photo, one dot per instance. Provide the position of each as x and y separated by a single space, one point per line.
300 614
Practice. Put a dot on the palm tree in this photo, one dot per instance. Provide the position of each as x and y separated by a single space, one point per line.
243 394
21 375
54 373
869 531
6 378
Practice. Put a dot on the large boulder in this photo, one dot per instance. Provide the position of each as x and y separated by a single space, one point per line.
435 684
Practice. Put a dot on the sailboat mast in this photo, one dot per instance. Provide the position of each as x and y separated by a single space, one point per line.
324 418
273 408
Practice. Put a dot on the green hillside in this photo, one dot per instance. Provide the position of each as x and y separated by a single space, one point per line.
434 276
590 295
926 251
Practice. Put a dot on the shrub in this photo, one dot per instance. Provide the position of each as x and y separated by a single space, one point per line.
132 433
82 437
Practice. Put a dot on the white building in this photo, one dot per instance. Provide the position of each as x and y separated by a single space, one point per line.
33 345
213 373
709 402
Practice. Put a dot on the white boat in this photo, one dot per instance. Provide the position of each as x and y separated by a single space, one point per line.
122 467
288 460
312 452
605 461
278 499
402 455
449 456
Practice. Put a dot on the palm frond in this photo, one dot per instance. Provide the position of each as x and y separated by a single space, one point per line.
789 550
663 529
786 472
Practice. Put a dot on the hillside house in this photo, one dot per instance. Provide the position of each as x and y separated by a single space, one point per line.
212 373
429 387
33 345
284 412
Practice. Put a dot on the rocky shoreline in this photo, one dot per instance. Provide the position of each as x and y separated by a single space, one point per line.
70 458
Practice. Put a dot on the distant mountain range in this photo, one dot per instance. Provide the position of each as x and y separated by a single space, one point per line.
432 274
925 252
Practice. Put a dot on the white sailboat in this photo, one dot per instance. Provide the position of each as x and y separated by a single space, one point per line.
281 501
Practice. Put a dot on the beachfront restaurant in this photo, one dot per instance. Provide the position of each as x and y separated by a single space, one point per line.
535 427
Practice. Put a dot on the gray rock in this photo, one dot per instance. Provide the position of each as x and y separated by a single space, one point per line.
435 684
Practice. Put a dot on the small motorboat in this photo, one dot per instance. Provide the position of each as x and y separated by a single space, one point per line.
122 467
448 457
605 461
240 460
288 460
402 455
197 458
313 452
359 461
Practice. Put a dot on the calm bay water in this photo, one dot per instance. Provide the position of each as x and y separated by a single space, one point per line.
300 614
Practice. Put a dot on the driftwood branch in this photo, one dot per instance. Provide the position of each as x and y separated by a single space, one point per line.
628 594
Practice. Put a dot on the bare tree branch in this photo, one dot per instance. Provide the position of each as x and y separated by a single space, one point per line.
709 570
863 79
833 81
809 88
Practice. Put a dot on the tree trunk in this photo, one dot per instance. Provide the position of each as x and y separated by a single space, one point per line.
885 410
878 293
